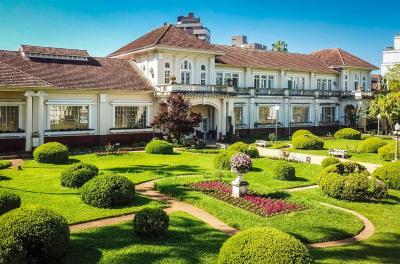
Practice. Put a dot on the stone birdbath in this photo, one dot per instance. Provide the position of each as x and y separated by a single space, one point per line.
240 164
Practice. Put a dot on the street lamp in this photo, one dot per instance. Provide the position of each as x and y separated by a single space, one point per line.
276 123
396 133
379 122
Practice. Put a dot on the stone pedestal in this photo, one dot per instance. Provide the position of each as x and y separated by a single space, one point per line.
239 186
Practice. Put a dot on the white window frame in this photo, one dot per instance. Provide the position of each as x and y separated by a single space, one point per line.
203 74
186 71
115 103
301 105
20 116
167 72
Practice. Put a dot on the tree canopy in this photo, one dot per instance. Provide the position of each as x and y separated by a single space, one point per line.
280 45
393 78
387 106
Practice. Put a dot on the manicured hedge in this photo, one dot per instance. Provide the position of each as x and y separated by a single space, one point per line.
253 152
157 146
4 164
387 152
263 245
250 150
108 191
222 161
52 152
151 222
371 145
328 161
344 168
284 171
348 133
301 132
307 141
33 235
389 174
8 201
78 174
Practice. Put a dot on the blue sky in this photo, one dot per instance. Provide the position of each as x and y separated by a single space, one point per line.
361 27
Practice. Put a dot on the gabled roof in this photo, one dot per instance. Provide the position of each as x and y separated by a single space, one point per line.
245 57
340 58
96 73
166 36
54 51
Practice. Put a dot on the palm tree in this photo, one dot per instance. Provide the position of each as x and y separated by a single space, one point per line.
280 45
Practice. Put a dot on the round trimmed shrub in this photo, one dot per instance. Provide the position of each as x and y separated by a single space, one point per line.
33 235
301 132
356 187
8 201
151 222
108 191
284 171
77 175
250 150
348 133
263 245
222 161
4 164
344 168
157 146
387 152
377 188
52 152
371 145
389 174
307 141
328 161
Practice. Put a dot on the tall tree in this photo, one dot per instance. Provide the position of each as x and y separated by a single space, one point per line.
388 106
393 78
280 45
175 118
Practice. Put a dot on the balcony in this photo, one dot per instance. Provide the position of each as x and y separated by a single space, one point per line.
193 88
359 95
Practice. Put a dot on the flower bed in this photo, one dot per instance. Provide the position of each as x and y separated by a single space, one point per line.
252 202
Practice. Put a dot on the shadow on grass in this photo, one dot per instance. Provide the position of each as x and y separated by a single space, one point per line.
188 240
4 178
50 193
161 169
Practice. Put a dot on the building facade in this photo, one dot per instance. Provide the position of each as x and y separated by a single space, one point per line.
52 94
391 55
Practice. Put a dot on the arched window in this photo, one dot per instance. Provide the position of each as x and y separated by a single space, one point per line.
186 72
203 74
167 72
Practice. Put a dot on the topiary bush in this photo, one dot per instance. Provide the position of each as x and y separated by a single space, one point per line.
328 161
284 171
250 150
52 152
389 174
4 164
387 152
77 175
371 145
157 146
33 235
301 132
222 161
8 201
307 141
348 133
344 168
108 191
263 245
253 152
151 222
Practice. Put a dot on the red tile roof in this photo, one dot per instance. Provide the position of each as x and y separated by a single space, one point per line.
166 36
338 58
54 51
96 73
272 60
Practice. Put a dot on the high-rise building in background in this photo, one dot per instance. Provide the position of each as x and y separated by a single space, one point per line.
241 41
391 55
193 25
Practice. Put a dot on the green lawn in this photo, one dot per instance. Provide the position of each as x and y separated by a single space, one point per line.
188 241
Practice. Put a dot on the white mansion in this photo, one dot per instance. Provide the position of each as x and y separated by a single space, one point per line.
53 94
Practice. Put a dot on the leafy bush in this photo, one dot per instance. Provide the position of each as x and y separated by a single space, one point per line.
328 161
33 235
4 164
263 245
389 174
371 145
387 152
222 161
348 133
301 132
108 191
253 152
377 188
284 171
355 187
8 201
151 222
157 146
344 168
307 141
52 152
250 150
78 174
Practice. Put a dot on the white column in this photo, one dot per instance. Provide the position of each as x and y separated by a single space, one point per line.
251 112
41 115
223 117
232 114
28 120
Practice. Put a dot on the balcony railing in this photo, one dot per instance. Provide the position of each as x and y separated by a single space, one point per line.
168 88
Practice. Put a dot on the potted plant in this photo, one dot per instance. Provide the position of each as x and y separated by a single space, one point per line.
173 79
240 164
